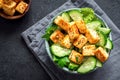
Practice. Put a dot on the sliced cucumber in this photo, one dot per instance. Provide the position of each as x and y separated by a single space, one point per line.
55 59
87 66
103 39
66 16
93 25
109 44
99 64
63 62
75 15
104 30
73 66
59 51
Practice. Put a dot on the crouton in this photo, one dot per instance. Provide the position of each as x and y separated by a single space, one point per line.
57 36
21 7
88 50
80 41
73 31
62 23
101 54
66 42
1 2
9 8
92 36
81 26
76 57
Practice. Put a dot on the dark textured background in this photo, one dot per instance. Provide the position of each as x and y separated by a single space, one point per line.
16 61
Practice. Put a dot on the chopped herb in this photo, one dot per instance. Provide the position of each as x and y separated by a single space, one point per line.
76 58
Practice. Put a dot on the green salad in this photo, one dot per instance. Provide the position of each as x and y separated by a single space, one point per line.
79 40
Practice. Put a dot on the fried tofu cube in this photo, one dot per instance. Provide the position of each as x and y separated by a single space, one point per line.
66 42
10 4
18 1
92 36
73 32
62 23
57 36
10 12
1 2
81 26
6 1
76 57
88 50
101 54
80 41
21 7
9 8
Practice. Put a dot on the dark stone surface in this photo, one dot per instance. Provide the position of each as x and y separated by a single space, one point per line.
16 61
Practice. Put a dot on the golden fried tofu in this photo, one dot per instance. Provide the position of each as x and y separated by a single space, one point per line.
76 57
62 23
18 1
1 2
10 12
66 42
81 26
88 50
10 5
80 41
21 7
101 54
6 1
92 36
57 36
9 8
73 31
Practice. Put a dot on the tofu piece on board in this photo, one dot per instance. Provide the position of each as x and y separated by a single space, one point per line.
57 36
21 7
62 23
76 57
80 41
81 26
88 50
73 31
92 36
101 54
65 42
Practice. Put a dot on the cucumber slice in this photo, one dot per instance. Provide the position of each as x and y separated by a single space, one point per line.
66 16
75 15
63 62
99 64
87 66
109 44
73 66
104 30
59 51
55 59
103 39
93 25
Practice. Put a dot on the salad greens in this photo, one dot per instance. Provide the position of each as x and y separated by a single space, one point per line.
73 49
